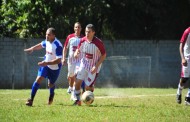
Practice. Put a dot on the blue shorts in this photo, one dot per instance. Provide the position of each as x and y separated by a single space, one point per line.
46 72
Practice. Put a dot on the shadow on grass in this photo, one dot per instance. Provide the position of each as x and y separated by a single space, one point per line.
99 105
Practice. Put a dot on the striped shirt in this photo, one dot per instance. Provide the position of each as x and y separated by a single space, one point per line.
71 43
91 52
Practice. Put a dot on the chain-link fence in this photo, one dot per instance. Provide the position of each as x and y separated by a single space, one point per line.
116 71
122 71
128 64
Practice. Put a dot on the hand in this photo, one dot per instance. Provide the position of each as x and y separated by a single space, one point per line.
76 54
42 63
184 62
29 50
93 70
64 62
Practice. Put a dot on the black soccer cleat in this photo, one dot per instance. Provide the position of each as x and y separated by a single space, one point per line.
29 102
77 103
187 100
50 99
178 98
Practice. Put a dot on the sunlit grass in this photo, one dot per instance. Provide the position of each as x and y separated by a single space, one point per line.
111 104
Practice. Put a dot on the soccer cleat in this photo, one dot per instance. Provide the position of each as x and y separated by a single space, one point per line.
83 91
69 91
29 102
178 98
77 103
187 100
50 99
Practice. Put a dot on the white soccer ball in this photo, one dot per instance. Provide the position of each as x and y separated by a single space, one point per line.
88 97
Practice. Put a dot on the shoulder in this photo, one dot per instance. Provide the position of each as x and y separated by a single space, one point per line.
57 43
71 35
83 39
43 43
96 40
99 44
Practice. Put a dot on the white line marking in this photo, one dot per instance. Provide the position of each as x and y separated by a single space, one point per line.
133 96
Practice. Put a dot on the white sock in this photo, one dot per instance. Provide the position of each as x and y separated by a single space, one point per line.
179 90
77 93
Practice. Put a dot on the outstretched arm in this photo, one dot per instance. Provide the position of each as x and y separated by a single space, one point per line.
31 49
64 56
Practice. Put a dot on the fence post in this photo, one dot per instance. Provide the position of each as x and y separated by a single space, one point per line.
25 64
13 69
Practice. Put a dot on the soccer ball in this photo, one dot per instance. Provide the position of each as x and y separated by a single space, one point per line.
88 97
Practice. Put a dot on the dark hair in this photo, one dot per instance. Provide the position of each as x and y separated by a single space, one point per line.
52 30
91 26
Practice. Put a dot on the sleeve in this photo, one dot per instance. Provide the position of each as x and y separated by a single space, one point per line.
185 35
101 47
43 43
59 52
66 44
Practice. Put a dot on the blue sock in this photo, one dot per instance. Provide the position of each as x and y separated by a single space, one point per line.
83 86
35 87
51 90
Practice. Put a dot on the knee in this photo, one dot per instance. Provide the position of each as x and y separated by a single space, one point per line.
39 79
50 85
88 88
183 80
78 84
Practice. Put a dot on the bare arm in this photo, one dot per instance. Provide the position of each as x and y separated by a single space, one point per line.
64 56
31 49
183 60
102 58
76 54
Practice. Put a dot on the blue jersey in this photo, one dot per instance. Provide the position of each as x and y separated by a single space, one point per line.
53 51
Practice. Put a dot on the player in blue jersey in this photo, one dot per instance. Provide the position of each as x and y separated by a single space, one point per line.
49 67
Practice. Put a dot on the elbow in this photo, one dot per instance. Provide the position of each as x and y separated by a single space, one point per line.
104 55
59 61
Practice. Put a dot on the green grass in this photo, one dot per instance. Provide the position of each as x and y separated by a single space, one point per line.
110 105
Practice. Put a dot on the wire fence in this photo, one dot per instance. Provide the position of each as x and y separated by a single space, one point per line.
128 64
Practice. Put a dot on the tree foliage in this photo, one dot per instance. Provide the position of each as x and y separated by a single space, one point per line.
121 19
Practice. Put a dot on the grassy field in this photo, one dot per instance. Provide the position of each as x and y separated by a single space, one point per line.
110 105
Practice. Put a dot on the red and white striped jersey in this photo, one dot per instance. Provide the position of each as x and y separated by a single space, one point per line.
72 43
185 40
91 52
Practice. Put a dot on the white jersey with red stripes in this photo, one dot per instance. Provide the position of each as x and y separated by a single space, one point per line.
91 52
185 40
72 43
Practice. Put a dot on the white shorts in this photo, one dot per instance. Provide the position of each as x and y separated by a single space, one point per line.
73 69
87 77
185 71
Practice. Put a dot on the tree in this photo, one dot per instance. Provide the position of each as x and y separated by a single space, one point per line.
121 19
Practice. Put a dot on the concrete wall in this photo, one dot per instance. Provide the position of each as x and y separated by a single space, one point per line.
129 63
